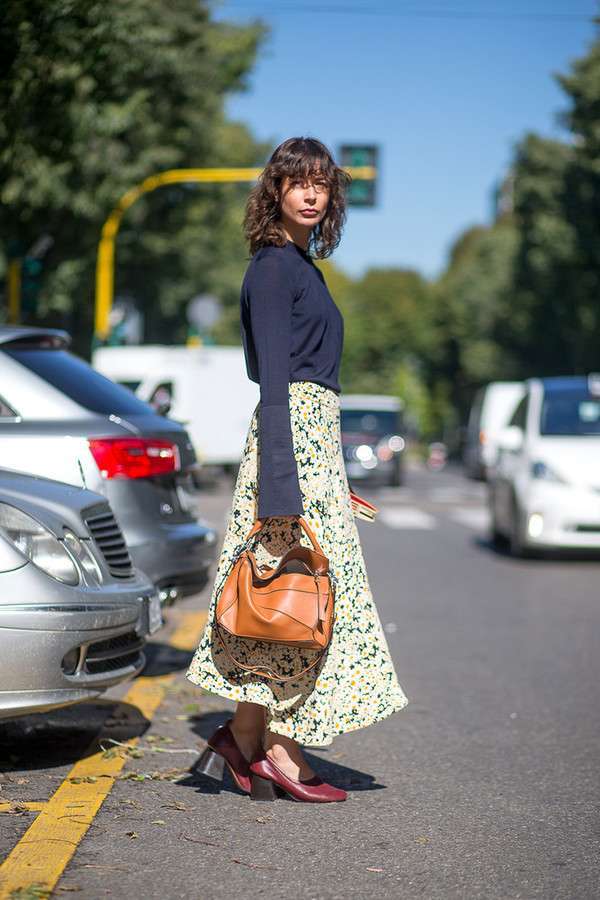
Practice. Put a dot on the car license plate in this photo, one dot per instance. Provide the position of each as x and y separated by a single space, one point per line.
153 613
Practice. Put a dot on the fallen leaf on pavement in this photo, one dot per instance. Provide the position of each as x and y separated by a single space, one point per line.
16 808
240 862
199 841
35 891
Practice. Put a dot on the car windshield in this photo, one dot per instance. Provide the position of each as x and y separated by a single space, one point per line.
573 413
373 421
75 378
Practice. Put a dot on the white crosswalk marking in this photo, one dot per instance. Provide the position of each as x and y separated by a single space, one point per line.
399 494
446 495
407 517
477 518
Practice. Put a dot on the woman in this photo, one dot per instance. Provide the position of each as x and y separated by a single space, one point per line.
292 466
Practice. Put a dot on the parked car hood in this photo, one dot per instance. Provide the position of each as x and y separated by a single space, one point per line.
55 504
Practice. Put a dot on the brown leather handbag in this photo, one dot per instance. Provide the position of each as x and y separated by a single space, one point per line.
291 604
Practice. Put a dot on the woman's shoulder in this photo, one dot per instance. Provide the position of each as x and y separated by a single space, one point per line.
272 252
272 260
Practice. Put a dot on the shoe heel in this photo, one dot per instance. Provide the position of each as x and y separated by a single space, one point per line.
262 789
211 764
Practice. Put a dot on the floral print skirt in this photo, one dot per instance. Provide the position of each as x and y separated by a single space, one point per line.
355 685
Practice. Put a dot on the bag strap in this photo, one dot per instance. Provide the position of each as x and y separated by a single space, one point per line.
255 670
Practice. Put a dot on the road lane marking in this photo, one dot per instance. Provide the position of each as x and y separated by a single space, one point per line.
476 518
445 495
407 517
46 848
399 494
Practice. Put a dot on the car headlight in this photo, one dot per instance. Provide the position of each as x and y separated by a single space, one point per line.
84 557
38 544
543 471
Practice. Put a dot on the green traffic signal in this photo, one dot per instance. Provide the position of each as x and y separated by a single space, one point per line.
31 282
362 191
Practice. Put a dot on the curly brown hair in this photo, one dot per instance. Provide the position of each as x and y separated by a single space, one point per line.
298 157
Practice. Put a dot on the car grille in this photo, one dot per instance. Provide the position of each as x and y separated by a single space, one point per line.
110 541
115 653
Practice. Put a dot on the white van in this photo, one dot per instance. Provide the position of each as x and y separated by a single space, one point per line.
492 407
206 387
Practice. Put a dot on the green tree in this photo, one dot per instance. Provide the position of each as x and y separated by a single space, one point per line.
388 320
475 313
94 97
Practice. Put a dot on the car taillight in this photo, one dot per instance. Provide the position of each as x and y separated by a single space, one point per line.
134 457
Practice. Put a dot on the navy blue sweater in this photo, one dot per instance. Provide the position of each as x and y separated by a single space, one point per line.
291 331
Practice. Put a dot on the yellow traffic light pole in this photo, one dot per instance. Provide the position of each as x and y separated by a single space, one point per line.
14 291
105 266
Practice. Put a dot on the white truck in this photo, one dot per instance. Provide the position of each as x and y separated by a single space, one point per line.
205 387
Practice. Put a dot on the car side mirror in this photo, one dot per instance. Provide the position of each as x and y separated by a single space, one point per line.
162 408
511 438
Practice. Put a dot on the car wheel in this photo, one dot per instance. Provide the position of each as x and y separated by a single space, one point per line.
497 537
516 539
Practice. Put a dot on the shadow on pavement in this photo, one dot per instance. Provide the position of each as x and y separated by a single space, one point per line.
61 737
162 659
342 776
534 557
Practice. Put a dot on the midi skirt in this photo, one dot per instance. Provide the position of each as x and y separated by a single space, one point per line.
355 684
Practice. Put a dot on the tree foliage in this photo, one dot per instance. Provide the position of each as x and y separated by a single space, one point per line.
520 297
95 97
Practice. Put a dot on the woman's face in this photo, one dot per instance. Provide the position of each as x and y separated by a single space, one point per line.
304 203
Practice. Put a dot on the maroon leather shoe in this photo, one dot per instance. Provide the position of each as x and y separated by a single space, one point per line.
267 776
222 749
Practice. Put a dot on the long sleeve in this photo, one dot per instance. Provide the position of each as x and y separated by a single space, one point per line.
271 299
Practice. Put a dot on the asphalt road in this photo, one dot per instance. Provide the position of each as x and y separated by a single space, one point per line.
485 785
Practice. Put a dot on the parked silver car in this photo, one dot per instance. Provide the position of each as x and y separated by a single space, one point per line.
61 419
74 612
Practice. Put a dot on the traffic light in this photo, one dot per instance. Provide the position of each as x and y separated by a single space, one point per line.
362 191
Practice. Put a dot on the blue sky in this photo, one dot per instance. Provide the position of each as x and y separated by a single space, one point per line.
445 88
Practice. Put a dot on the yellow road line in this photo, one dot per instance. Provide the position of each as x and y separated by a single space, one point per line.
47 846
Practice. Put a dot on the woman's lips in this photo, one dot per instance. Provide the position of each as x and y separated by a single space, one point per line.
309 213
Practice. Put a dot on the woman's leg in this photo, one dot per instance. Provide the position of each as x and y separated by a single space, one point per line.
248 727
287 756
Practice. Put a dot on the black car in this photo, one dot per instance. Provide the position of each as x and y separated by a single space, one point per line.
372 443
